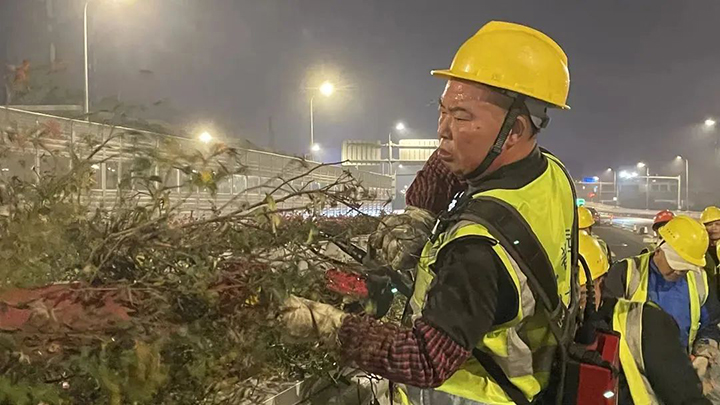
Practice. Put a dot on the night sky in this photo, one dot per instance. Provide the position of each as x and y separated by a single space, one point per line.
644 74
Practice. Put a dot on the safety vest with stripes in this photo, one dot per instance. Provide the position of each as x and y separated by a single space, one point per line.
627 320
523 347
636 289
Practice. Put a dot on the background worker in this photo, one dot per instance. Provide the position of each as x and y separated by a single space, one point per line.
655 366
661 218
672 276
711 219
586 221
495 102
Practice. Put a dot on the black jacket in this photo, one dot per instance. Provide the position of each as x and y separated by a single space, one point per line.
667 365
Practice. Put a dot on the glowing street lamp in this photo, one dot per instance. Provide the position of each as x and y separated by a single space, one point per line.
710 123
205 137
315 147
327 89
400 126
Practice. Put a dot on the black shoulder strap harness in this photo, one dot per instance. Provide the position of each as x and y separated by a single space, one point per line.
516 236
518 239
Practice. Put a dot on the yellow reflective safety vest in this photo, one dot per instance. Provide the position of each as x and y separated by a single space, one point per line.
524 347
636 289
711 266
627 320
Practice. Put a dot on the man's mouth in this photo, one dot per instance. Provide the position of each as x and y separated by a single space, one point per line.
444 155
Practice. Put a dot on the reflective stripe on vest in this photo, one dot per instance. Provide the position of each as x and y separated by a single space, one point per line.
627 320
523 347
636 289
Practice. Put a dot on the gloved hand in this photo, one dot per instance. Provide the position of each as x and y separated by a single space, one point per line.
706 362
707 348
307 320
700 364
399 239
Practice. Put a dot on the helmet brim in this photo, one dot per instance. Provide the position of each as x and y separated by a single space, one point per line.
449 74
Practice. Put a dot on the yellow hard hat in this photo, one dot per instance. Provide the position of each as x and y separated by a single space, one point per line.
688 237
585 218
710 214
515 58
594 255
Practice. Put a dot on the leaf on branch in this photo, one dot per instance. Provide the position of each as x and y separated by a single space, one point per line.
311 235
206 176
271 205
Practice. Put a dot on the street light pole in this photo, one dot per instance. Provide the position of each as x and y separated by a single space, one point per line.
87 74
647 187
615 187
641 165
400 127
390 164
687 184
710 126
312 127
614 183
325 89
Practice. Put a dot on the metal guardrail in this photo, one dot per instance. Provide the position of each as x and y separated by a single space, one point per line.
611 209
261 169
360 391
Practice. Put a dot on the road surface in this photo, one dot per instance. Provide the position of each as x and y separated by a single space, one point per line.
622 242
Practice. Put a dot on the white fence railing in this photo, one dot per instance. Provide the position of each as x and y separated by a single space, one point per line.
261 171
611 209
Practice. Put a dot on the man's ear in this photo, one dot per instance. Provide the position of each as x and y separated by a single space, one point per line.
521 127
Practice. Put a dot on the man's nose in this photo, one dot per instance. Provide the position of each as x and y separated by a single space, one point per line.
443 130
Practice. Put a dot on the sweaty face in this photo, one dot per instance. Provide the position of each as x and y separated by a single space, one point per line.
470 118
713 229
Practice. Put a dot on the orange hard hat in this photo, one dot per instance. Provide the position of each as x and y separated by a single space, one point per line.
663 217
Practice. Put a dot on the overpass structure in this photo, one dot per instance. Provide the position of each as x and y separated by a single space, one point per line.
262 171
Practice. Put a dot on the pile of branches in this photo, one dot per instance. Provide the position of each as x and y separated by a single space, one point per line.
140 302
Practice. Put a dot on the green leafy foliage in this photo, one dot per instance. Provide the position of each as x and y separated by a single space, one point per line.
141 302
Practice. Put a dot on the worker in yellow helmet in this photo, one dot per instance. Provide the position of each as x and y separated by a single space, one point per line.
655 366
586 221
672 276
711 219
596 258
471 298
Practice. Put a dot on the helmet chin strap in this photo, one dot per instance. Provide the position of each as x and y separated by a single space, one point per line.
508 123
